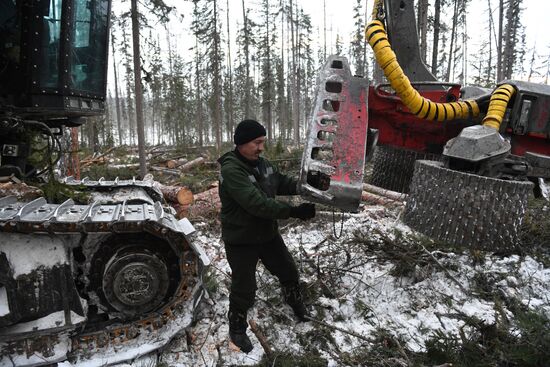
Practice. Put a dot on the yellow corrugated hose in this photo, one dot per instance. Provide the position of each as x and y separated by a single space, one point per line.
497 106
424 108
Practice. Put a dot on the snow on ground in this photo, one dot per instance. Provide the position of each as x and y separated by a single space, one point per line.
357 291
4 306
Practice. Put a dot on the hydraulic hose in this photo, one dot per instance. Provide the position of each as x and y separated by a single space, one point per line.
423 108
497 106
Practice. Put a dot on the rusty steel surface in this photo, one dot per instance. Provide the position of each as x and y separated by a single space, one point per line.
58 261
334 154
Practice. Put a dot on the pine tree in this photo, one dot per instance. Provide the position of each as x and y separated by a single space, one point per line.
357 43
208 32
267 39
513 50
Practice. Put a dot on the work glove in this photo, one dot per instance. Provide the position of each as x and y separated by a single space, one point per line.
303 211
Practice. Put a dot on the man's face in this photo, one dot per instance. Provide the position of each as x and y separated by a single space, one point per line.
252 149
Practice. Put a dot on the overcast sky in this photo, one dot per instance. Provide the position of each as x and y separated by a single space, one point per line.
339 21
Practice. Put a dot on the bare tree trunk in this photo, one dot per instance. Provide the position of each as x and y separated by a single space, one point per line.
117 100
325 30
488 77
499 38
217 113
230 121
294 81
138 91
247 65
453 37
532 70
199 114
437 25
171 70
423 27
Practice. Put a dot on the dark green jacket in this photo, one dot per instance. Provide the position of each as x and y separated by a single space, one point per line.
249 210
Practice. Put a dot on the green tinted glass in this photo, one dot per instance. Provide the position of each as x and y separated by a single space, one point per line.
51 32
89 47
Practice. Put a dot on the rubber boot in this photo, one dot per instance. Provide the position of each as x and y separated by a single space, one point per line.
237 330
293 296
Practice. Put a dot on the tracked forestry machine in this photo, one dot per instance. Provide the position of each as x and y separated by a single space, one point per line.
468 159
92 282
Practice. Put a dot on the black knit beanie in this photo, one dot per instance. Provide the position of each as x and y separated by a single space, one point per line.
248 130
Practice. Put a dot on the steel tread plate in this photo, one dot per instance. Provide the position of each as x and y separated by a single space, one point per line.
466 209
393 167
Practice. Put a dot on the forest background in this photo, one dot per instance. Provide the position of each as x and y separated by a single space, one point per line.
204 65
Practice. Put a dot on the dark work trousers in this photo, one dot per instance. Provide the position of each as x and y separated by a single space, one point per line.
243 260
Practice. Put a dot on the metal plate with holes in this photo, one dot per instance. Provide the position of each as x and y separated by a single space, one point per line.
334 154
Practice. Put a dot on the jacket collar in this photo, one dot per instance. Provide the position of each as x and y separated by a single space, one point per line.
247 161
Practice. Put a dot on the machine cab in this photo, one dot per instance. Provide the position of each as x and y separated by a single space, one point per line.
53 58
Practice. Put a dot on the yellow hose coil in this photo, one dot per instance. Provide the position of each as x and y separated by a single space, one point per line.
497 106
424 108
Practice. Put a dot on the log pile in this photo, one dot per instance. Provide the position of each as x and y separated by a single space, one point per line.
100 159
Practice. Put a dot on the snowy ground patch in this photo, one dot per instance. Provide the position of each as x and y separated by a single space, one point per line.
371 285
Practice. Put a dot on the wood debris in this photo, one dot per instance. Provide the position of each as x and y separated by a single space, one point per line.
21 191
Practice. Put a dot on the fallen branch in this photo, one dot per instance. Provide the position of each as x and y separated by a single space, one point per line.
453 279
334 327
260 336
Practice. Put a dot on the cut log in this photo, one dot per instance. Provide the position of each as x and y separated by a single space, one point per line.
182 211
374 199
195 162
177 194
175 163
207 204
393 195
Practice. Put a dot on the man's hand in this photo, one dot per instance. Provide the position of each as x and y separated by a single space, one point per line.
303 211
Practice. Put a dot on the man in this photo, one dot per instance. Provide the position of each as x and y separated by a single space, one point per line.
248 185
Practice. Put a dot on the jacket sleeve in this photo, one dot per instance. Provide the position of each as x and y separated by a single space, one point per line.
287 185
238 185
